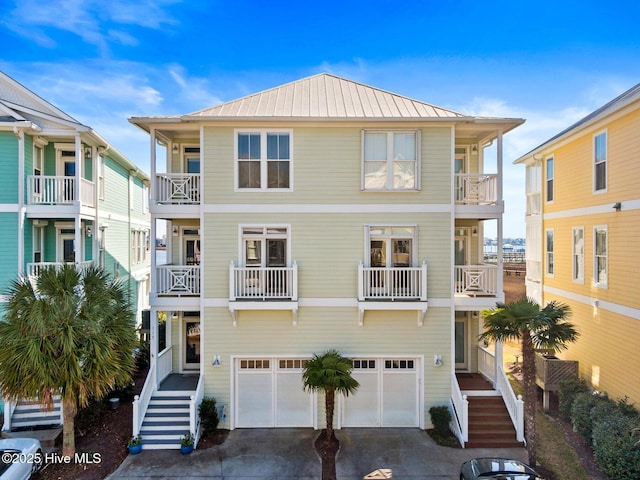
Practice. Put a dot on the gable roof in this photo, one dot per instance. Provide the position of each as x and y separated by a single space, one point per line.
325 96
618 103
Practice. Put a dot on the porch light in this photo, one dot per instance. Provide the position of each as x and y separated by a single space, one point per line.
175 149
216 361
437 360
617 206
88 231
474 149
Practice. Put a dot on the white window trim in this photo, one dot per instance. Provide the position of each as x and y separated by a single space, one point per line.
546 180
575 278
418 160
606 161
367 240
263 159
38 235
596 282
264 226
546 253
187 155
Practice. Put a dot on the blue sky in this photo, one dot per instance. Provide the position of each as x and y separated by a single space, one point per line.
104 61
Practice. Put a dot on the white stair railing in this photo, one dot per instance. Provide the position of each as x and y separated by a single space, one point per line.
165 363
460 407
141 402
194 414
515 405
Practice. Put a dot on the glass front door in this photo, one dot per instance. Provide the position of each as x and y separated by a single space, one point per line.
192 344
461 340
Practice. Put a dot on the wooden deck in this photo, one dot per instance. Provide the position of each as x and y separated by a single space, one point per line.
180 382
473 382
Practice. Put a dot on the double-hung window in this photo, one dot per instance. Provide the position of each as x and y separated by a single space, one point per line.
600 162
264 160
600 256
390 160
549 180
578 254
549 253
391 247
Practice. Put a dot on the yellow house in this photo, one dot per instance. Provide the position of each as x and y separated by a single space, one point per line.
583 214
319 214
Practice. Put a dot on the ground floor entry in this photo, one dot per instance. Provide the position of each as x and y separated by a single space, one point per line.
268 392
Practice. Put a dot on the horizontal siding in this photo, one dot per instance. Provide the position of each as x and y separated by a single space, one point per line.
327 159
8 167
116 187
8 249
327 248
606 350
320 329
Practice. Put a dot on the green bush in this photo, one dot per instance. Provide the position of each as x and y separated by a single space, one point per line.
569 389
581 418
208 415
614 443
440 417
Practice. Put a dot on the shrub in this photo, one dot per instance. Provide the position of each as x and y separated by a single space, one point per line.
581 413
440 417
614 441
208 415
569 389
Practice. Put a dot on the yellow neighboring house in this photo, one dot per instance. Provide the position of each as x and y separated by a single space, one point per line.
319 214
583 244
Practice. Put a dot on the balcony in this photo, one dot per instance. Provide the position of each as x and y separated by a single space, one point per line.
392 288
476 280
34 269
178 280
178 188
59 190
476 189
263 283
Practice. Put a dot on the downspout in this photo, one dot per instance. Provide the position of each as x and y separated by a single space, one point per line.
78 247
19 133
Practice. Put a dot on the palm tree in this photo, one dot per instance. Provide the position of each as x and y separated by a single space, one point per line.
67 333
330 373
536 328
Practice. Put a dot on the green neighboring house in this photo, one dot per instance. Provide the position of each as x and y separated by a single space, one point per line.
68 196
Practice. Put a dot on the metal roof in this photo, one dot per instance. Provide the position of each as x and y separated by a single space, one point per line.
326 96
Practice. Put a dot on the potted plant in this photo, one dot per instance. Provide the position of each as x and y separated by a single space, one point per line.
186 443
135 445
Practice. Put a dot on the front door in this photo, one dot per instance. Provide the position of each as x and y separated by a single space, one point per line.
191 247
66 246
191 338
67 168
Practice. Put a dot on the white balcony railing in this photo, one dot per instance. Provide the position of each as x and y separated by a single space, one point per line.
393 283
263 283
34 269
178 188
476 280
178 279
476 188
58 190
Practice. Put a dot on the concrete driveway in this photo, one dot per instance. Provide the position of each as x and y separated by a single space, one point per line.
289 454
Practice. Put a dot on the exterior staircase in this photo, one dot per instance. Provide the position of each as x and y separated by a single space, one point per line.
29 414
490 425
166 420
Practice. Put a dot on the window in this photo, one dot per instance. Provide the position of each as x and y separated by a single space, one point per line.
533 187
265 246
263 160
600 162
550 179
102 242
38 233
101 188
391 246
390 160
578 254
192 159
139 244
600 256
549 252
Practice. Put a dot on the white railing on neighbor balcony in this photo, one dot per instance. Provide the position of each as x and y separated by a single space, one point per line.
487 364
141 402
165 364
263 283
515 405
476 279
393 283
178 279
58 190
194 416
460 406
34 269
178 188
476 188
87 192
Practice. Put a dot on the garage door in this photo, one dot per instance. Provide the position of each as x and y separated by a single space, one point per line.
269 393
387 396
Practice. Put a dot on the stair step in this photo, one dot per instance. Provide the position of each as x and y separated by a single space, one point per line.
160 414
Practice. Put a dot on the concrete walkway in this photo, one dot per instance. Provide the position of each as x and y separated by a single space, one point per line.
289 454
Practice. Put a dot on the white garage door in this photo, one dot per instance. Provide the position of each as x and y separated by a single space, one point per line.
269 393
387 396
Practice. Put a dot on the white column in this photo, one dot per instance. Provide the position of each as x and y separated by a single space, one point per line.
79 169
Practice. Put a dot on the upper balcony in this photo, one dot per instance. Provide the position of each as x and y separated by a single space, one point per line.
178 280
178 188
34 269
59 190
476 189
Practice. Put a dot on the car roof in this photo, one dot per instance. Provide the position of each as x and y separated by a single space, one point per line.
18 443
503 465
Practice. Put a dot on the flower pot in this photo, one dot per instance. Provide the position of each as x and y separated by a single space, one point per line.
186 449
135 449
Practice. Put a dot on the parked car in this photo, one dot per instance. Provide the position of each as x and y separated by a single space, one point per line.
497 468
20 458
